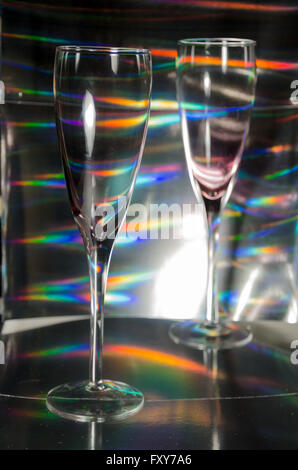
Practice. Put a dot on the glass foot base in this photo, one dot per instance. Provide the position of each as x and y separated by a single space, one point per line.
209 335
108 401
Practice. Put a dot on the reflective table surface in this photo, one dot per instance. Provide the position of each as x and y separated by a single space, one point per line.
245 398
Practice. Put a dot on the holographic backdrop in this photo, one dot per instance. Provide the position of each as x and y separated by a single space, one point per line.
44 265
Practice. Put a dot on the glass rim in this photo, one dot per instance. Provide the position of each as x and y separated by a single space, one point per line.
234 42
102 49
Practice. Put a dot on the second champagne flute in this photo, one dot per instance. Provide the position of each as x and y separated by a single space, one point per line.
215 88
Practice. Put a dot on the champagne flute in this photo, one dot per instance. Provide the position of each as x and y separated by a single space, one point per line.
215 89
102 99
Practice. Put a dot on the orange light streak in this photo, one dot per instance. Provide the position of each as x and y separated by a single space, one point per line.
122 123
159 357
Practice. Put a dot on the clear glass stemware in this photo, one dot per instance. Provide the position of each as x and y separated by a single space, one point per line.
102 99
215 89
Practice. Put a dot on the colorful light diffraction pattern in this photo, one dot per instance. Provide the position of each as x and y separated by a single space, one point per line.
165 362
269 212
77 289
235 5
167 366
148 174
154 121
202 60
221 5
158 120
229 299
283 199
265 229
264 206
123 350
262 64
165 53
69 237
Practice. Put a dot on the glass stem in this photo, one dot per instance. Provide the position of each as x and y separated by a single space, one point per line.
212 314
98 271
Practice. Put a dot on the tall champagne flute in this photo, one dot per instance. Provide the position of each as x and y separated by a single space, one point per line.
215 89
102 99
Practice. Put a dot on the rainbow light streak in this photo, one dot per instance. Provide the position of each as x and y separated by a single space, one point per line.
125 281
201 3
125 15
49 183
277 174
123 239
157 357
149 355
70 350
123 102
215 112
221 5
54 176
254 212
251 251
275 149
66 298
27 67
88 168
147 175
267 229
155 121
156 105
116 298
262 64
203 60
231 298
112 123
47 6
229 212
57 286
118 101
172 53
165 120
27 91
73 289
282 199
257 234
32 37
36 124
288 118
167 168
163 105
158 174
32 413
68 236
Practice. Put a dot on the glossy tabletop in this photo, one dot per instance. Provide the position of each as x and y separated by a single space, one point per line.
240 399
